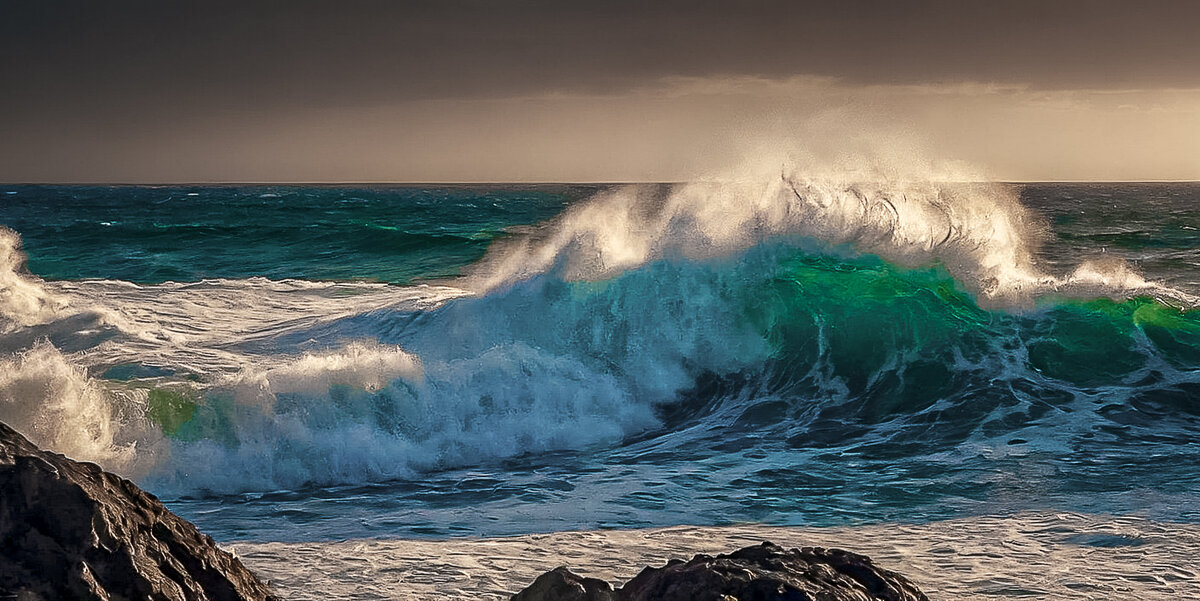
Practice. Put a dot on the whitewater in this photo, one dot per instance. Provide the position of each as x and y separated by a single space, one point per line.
802 355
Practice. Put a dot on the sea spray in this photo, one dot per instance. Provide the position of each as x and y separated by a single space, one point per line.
22 301
56 405
978 231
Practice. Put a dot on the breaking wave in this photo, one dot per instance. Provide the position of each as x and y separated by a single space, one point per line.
821 312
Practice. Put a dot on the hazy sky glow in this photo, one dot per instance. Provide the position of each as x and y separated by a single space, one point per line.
548 91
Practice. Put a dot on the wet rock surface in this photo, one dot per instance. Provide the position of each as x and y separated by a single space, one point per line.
560 584
70 530
770 573
764 572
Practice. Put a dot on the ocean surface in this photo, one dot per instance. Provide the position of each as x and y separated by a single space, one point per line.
309 364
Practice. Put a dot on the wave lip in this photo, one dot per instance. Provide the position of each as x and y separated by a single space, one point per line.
978 231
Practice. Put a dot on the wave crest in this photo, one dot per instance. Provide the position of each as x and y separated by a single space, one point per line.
979 231
23 300
56 405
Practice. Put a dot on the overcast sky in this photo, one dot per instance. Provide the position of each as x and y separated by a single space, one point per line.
608 91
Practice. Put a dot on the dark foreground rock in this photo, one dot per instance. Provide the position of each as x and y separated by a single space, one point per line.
560 584
70 530
763 573
770 573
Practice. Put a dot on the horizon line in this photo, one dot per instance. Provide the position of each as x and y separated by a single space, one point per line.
522 182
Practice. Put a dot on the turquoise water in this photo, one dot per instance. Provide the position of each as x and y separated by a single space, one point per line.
311 363
185 234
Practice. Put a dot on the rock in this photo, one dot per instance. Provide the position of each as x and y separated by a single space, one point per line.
70 530
560 584
766 572
769 573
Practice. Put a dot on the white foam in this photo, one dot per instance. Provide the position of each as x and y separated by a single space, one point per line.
23 300
369 412
358 365
55 405
1026 555
220 327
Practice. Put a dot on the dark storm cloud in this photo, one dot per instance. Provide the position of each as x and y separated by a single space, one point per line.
136 57
95 90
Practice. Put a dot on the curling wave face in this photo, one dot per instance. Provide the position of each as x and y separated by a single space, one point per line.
979 232
801 339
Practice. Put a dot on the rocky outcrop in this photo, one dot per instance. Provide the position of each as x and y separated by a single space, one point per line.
763 573
770 573
70 530
560 584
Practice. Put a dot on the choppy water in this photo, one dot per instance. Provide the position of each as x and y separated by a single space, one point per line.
317 363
